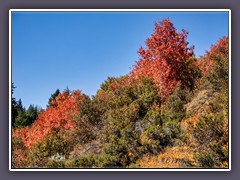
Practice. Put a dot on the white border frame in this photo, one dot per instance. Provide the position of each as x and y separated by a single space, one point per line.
114 10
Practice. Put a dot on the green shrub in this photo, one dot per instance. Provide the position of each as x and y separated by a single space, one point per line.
55 164
159 132
126 104
211 134
93 161
205 160
84 162
58 143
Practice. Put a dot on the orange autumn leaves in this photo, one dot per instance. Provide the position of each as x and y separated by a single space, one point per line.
166 59
60 115
218 51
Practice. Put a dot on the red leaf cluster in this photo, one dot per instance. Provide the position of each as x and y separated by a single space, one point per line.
217 51
165 58
59 116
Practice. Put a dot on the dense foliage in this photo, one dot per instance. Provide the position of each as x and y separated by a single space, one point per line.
170 111
167 59
22 117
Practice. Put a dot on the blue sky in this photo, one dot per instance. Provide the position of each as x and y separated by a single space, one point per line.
80 50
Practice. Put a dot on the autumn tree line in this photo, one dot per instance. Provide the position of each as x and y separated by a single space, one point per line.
169 111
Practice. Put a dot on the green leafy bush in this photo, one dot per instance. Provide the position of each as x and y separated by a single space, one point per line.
211 134
59 143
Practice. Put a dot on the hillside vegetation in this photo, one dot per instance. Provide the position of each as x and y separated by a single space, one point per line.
170 111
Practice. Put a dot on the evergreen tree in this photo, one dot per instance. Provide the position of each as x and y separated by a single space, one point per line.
14 107
53 97
31 113
67 90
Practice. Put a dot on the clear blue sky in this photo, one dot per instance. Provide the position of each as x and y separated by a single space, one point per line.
53 50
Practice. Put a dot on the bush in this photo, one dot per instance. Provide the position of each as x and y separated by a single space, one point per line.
158 131
206 160
87 118
135 121
93 161
55 164
84 162
19 154
126 104
59 143
211 134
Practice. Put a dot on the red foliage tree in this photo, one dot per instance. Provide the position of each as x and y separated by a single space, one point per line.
218 52
166 59
59 116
